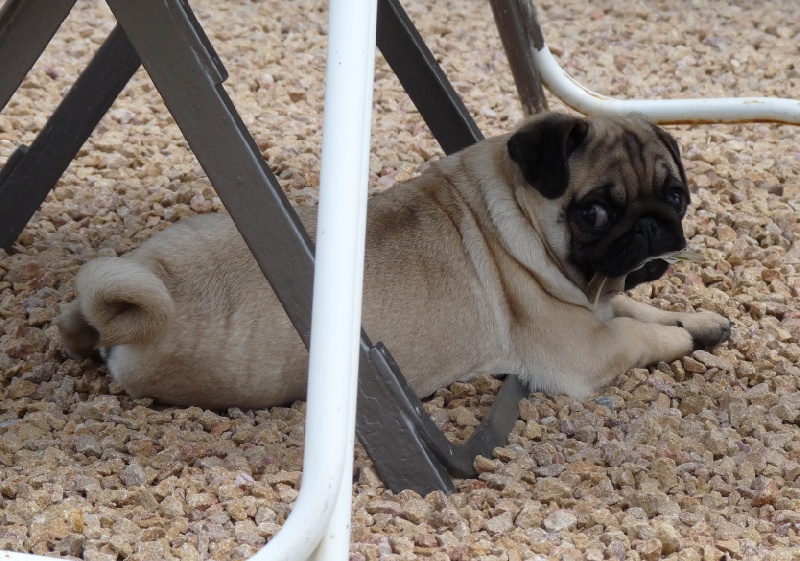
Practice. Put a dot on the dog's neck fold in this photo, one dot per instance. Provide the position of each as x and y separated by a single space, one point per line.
518 230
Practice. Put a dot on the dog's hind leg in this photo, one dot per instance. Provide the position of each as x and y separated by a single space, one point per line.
79 337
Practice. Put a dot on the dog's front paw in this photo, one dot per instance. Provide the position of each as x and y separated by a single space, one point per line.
708 329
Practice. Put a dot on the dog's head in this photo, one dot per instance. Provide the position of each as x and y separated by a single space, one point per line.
609 192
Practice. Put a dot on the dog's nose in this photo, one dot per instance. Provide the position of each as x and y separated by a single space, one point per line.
647 227
657 235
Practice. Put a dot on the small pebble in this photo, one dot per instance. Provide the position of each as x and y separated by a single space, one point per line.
606 402
559 521
133 476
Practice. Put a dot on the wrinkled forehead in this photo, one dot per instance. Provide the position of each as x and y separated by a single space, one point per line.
625 156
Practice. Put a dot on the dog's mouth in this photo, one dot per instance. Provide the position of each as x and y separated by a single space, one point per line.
650 271
632 271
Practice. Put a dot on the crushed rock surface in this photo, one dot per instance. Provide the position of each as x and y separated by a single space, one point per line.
694 460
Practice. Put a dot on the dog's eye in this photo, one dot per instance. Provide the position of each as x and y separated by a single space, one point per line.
676 200
594 215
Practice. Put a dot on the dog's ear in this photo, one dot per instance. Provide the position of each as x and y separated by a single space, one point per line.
542 147
673 147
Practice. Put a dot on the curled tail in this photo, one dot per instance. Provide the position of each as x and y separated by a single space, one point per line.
119 302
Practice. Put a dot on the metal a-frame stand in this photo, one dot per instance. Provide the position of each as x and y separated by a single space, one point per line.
408 450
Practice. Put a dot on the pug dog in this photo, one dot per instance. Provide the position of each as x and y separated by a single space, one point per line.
482 264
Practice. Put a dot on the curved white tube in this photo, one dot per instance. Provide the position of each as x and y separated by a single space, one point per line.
664 111
336 316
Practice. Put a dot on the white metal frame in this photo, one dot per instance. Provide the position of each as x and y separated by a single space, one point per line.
664 111
318 527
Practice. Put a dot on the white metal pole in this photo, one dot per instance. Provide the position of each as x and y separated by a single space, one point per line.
664 111
335 544
320 519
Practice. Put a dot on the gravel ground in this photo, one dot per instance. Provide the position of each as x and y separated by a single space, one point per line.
698 459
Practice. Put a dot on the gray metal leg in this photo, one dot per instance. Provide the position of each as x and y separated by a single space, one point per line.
32 171
391 416
423 79
26 27
519 30
174 50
